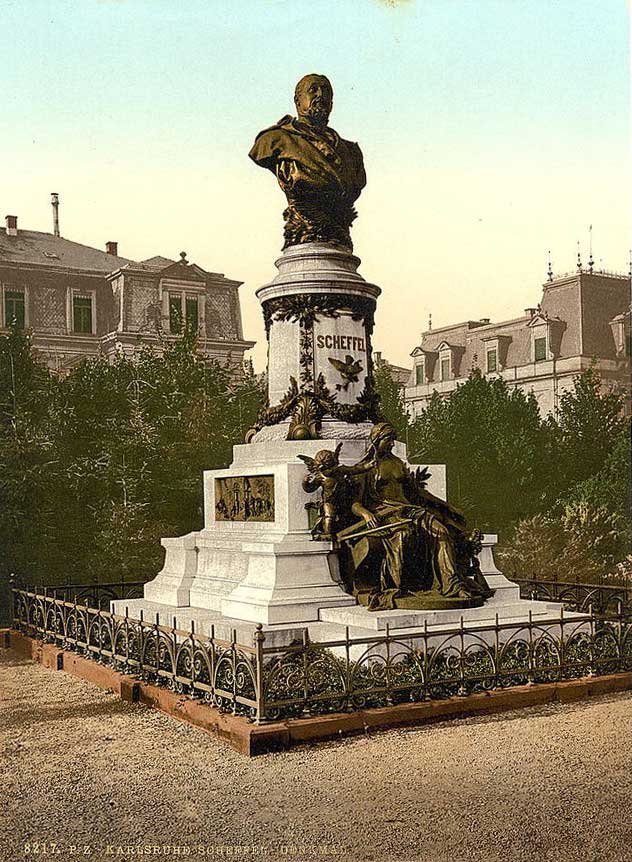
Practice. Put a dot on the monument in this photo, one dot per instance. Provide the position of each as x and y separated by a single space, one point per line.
320 522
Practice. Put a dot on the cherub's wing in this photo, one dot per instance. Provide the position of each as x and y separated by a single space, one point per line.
338 364
309 462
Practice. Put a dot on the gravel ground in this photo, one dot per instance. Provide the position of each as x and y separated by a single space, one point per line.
102 779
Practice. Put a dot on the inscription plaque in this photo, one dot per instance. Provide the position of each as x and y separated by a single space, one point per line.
244 498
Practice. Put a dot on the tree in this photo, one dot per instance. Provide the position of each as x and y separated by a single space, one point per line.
495 447
28 462
116 454
391 400
590 421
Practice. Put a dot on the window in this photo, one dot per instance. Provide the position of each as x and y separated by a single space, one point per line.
492 360
445 368
14 309
420 375
82 313
183 312
539 349
192 313
175 313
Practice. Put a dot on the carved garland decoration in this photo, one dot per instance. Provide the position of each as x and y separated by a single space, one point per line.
307 401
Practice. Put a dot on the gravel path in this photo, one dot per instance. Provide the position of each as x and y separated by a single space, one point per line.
82 770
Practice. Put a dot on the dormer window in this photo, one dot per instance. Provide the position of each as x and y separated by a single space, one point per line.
496 347
546 336
424 367
450 356
445 367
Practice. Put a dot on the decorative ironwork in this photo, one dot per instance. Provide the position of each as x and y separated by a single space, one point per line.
266 682
244 498
602 598
98 595
223 673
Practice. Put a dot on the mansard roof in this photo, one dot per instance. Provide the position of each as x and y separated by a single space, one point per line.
34 248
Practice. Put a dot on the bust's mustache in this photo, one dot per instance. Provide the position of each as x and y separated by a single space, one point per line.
317 108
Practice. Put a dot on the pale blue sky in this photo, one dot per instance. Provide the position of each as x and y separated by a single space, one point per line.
492 130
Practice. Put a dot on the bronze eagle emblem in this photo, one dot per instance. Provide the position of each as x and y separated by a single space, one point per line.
348 370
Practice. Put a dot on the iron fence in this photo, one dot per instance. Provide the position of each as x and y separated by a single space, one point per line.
265 682
602 598
221 672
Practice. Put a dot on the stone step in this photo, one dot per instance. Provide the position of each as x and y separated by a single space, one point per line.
359 617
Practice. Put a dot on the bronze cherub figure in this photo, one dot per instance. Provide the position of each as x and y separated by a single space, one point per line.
326 473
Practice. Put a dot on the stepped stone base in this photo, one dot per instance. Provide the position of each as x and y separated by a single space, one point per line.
332 615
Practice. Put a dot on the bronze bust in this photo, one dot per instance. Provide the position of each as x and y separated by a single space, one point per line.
321 174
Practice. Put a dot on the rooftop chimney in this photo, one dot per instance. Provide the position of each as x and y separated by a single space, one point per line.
12 225
484 320
530 312
112 248
54 199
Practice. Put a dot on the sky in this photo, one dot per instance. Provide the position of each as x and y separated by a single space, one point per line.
492 131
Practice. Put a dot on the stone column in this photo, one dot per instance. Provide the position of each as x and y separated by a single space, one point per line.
318 313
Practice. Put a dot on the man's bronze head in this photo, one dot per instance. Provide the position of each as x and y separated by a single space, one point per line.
313 97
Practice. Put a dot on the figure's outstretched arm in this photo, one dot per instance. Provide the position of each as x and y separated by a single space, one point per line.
369 517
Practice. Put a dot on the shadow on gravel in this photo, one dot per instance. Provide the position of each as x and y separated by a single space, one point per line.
28 715
11 659
541 711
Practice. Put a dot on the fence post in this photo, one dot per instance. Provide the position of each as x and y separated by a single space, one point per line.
305 659
462 692
348 685
591 666
389 689
233 637
8 614
260 709
426 692
530 674
191 636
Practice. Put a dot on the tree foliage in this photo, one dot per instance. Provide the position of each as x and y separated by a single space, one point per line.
495 447
98 465
391 400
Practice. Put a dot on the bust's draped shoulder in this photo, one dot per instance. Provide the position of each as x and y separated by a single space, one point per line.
283 141
271 143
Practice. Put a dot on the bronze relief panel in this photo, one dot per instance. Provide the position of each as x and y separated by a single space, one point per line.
244 498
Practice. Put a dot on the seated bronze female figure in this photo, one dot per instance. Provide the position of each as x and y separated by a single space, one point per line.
410 549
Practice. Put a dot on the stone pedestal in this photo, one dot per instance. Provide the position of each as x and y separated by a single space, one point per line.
254 562
259 564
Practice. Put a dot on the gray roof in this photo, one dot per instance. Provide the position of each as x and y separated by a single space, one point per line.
34 247
158 261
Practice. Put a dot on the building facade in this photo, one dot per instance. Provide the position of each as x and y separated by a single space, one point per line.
583 318
80 301
400 375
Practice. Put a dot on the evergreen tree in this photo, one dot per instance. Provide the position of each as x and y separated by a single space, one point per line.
102 463
495 447
391 400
